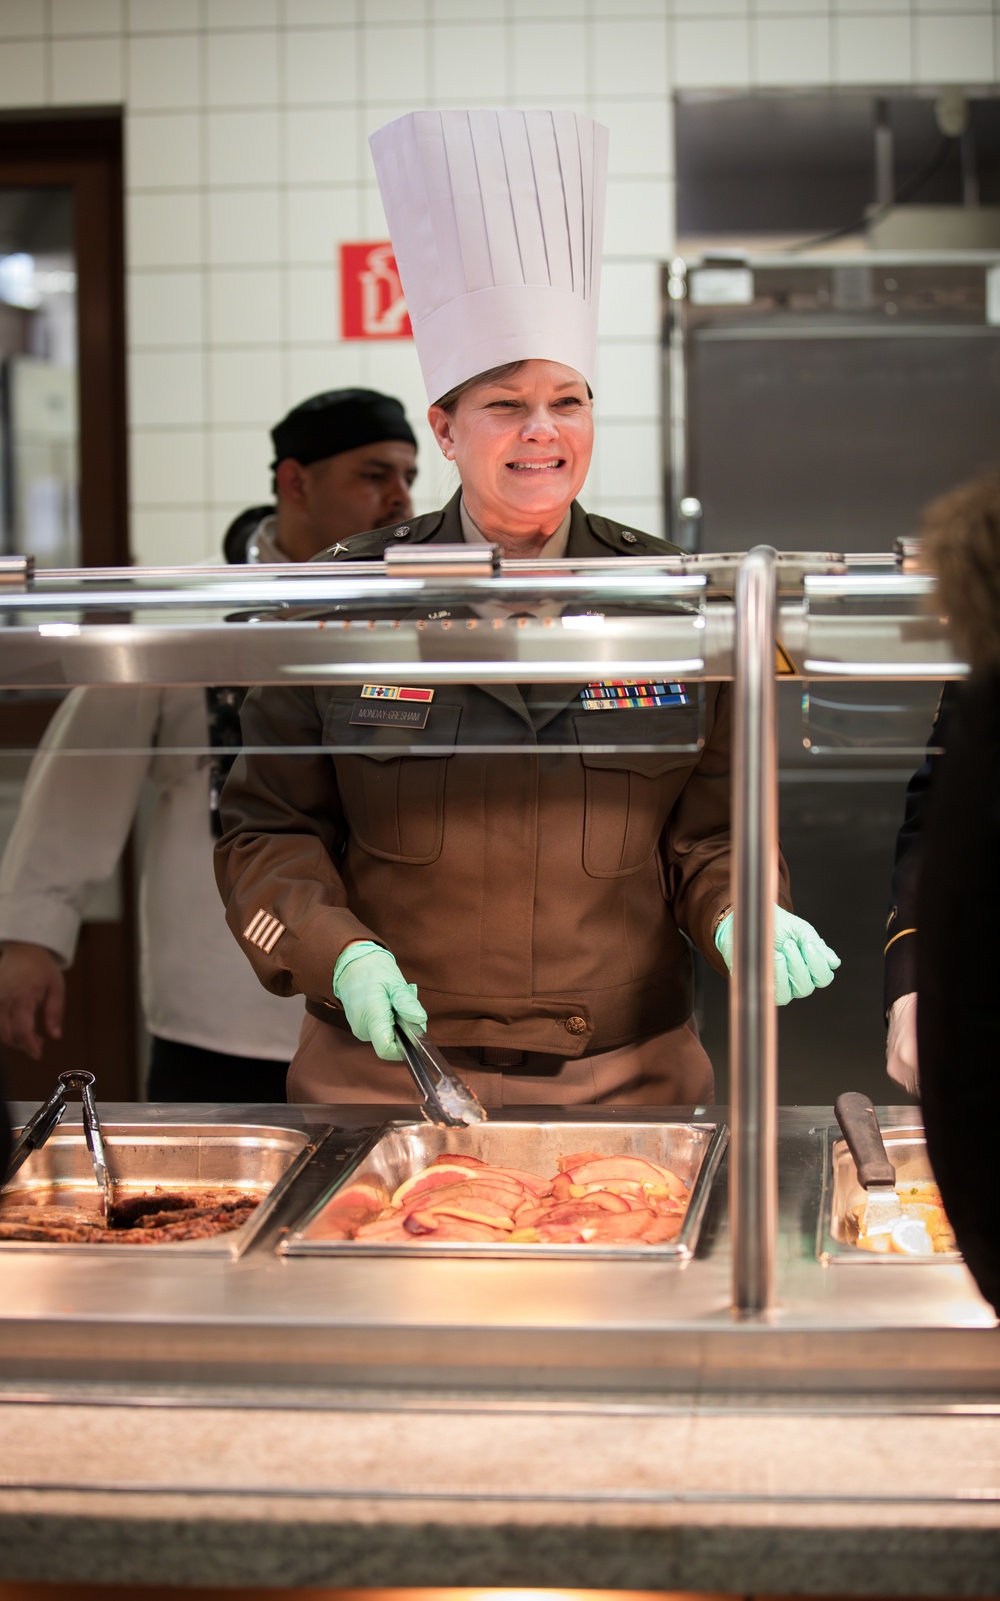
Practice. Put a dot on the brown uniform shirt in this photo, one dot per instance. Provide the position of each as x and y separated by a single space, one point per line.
537 896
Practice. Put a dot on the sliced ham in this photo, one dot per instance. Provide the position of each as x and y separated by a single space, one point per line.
633 1168
593 1199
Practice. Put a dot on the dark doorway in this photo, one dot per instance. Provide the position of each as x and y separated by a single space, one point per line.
65 493
61 181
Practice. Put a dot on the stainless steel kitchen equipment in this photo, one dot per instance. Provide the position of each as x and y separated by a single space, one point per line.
876 1174
37 1129
84 1082
261 1161
820 400
446 1099
666 617
693 1151
906 1148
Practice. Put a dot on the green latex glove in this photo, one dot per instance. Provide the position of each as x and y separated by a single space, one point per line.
373 992
803 962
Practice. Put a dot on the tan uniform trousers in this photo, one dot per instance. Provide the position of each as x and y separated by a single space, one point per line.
672 1069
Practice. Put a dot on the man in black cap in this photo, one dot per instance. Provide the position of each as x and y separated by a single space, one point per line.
344 462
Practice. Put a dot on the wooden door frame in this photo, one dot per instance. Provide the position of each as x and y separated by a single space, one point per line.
84 153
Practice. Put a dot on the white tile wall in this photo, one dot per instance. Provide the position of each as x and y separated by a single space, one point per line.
239 466
244 386
394 64
165 309
241 69
22 75
164 74
641 139
791 50
321 67
313 305
167 388
241 147
163 16
321 145
163 150
76 17
247 165
317 219
164 230
712 52
628 461
470 60
949 53
548 58
22 19
245 306
168 467
244 227
630 299
313 368
174 534
870 49
638 218
87 72
630 57
628 381
241 13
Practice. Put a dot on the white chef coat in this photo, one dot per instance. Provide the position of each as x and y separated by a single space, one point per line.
76 811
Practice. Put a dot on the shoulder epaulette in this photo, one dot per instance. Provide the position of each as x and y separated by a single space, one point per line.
371 545
628 541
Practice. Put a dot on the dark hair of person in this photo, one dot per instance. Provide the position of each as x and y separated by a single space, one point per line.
961 545
493 375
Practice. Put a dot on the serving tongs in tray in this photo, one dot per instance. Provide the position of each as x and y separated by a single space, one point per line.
447 1101
48 1117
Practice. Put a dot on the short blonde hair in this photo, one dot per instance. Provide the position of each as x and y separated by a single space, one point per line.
961 545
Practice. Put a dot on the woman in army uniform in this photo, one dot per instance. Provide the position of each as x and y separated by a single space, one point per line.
531 907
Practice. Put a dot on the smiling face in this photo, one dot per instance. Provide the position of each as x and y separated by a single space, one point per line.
522 443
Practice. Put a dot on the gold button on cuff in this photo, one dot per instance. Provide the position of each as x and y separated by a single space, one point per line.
576 1025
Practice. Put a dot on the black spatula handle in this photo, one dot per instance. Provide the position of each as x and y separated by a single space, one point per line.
856 1116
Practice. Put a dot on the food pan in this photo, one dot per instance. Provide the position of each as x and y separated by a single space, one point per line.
260 1160
398 1150
907 1151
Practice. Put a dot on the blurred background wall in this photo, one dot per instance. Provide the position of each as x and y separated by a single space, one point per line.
246 161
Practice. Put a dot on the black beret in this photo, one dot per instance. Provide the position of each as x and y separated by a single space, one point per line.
342 419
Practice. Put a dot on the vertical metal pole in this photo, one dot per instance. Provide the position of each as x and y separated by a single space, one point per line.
753 1182
885 155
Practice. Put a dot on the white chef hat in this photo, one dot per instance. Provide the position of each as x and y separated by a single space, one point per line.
497 222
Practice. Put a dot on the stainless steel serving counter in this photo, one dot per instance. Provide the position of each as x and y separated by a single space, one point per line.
270 1420
174 1317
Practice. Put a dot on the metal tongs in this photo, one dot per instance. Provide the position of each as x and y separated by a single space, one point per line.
447 1100
48 1117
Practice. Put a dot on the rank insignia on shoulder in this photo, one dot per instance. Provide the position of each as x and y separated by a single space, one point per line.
631 694
394 692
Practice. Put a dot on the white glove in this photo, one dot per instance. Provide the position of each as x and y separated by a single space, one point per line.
901 1045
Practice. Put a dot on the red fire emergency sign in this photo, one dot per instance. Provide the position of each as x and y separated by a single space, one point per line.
371 295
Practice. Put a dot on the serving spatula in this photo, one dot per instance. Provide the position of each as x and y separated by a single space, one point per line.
876 1174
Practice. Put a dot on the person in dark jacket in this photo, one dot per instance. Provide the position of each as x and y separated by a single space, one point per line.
958 952
900 955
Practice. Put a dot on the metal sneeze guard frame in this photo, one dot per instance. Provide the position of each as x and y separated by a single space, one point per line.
172 644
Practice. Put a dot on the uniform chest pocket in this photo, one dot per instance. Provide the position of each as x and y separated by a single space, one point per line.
629 791
392 794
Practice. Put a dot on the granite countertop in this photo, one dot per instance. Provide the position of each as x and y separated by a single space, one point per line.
354 1490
